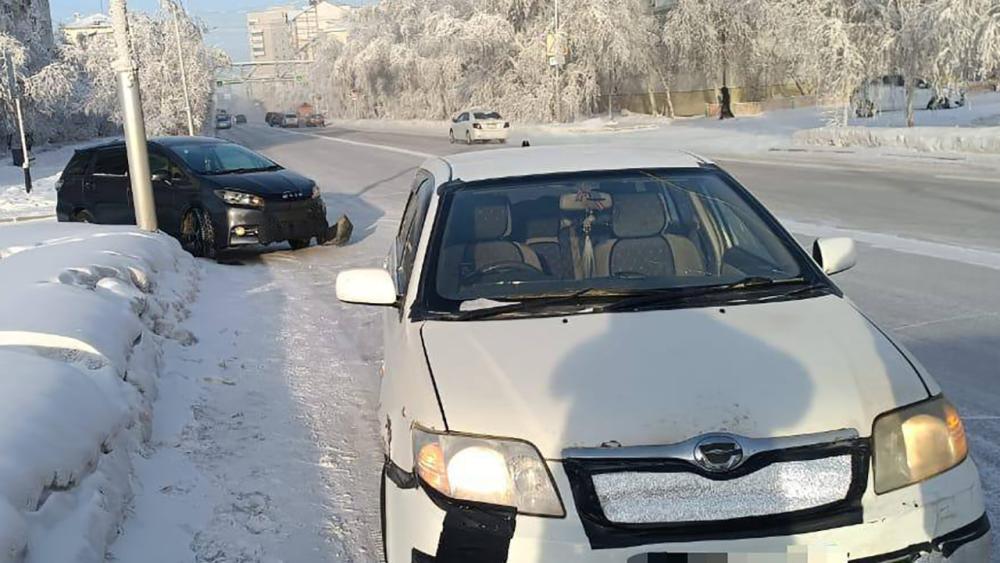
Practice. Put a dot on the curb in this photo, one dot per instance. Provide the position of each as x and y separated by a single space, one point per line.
26 218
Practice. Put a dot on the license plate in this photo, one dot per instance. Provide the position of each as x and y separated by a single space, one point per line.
491 125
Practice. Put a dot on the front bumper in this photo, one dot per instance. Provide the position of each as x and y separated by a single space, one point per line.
897 526
277 222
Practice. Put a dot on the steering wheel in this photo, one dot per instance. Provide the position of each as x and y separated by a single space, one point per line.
504 267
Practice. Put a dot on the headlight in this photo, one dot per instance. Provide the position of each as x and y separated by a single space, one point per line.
315 193
917 442
240 199
487 470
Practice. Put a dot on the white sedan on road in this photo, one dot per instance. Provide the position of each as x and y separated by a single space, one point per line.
619 355
478 125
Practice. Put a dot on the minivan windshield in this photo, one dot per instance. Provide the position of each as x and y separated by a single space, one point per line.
222 158
605 234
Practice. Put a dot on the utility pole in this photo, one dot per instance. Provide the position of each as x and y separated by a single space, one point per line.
180 60
135 128
15 91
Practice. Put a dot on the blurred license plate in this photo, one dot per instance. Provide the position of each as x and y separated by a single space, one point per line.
491 125
795 554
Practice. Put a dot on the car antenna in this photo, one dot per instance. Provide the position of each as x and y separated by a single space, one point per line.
525 143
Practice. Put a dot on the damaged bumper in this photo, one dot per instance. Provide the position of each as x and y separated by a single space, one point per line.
942 519
276 223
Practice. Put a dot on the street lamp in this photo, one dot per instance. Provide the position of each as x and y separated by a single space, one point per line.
175 10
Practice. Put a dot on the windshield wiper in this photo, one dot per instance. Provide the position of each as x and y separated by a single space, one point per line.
529 304
684 294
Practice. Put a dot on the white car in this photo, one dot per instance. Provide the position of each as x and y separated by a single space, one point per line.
889 94
606 354
290 120
478 125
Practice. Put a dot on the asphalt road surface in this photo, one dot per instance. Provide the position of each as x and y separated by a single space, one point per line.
929 272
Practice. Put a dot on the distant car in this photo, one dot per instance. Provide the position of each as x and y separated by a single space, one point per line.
219 112
271 118
211 194
478 125
290 120
240 118
223 122
607 354
888 94
316 120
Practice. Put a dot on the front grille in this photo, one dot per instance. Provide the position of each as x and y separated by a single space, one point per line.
644 498
647 495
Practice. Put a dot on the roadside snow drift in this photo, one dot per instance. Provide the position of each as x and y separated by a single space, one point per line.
984 140
83 314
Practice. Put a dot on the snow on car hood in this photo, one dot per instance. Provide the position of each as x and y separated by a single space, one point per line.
660 377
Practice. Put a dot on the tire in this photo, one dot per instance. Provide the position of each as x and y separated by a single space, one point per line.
382 518
198 234
468 138
299 243
451 136
83 216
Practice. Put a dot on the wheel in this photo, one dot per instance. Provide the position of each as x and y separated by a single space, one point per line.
198 234
299 243
468 138
503 141
451 136
83 216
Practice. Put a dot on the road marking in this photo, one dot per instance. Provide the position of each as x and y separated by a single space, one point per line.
389 148
968 179
973 256
956 318
984 417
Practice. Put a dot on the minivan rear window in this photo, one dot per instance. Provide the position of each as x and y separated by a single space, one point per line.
78 164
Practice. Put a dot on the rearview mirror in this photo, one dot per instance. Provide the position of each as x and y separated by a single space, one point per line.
835 255
367 287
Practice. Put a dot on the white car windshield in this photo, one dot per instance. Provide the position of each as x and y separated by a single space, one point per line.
618 233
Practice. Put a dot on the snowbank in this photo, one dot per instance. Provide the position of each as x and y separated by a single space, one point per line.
83 314
925 139
45 170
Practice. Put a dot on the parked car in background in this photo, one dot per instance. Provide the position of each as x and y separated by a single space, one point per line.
476 125
273 118
618 354
888 94
316 120
223 122
290 120
211 194
240 118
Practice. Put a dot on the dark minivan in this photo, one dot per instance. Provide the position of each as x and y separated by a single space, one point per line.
211 194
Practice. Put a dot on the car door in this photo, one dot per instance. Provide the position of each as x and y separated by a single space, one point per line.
106 188
462 126
162 171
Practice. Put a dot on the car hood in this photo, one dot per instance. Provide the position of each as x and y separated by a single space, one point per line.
272 185
661 377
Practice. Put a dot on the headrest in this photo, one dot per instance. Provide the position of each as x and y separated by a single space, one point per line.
585 201
491 218
638 215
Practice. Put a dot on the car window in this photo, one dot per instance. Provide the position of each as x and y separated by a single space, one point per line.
78 164
618 232
222 158
488 115
463 117
111 162
410 229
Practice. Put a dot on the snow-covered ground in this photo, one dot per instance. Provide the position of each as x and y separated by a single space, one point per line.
85 313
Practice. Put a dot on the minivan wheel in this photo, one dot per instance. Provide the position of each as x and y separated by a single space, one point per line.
198 234
299 243
83 216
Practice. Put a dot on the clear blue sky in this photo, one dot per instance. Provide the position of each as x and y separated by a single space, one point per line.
226 19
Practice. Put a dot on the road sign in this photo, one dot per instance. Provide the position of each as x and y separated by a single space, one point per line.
556 48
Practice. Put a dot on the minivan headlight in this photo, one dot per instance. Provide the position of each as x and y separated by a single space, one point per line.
240 199
916 443
488 470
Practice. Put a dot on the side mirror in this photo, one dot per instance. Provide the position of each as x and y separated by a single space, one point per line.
161 177
367 287
835 255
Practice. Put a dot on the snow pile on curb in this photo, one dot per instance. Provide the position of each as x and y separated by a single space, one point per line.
84 311
926 139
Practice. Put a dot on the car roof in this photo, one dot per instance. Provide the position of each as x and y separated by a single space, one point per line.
161 141
532 161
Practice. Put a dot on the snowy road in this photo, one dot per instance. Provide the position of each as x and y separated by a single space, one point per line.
279 462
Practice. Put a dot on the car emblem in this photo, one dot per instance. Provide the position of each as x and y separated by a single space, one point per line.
718 453
290 195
